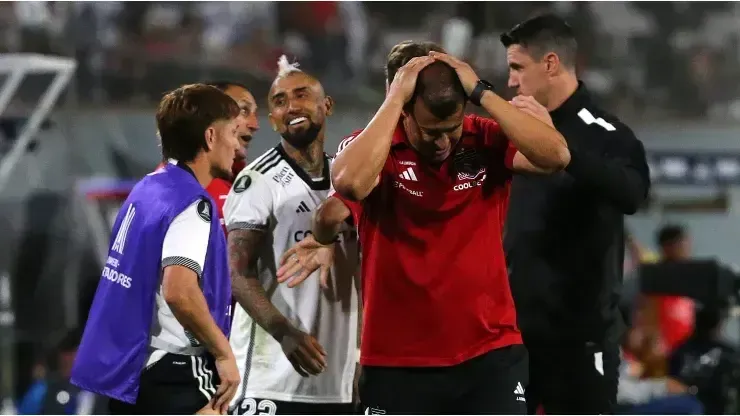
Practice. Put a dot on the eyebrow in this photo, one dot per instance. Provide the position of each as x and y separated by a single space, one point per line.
295 90
443 130
246 106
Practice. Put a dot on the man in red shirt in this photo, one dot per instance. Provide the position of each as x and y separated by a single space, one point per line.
249 124
675 313
427 187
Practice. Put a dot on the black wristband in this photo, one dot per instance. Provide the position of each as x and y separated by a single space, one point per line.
480 87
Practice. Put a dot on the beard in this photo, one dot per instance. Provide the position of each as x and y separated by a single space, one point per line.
220 173
301 139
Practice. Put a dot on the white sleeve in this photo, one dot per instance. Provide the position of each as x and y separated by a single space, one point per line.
249 204
186 241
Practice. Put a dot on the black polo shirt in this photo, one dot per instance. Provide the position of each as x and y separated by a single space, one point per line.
564 237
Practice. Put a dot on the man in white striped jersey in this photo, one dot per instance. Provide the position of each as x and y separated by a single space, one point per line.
296 347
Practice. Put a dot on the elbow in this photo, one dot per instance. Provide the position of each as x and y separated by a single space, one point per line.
631 205
174 296
561 158
630 208
347 186
633 200
558 160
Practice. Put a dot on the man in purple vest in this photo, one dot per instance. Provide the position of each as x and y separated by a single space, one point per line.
156 340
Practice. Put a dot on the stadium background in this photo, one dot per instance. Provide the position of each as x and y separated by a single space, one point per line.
669 69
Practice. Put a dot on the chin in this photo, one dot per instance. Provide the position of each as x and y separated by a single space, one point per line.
221 173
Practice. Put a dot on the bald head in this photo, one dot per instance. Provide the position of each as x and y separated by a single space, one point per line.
297 80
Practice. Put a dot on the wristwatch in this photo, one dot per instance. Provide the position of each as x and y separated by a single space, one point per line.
480 87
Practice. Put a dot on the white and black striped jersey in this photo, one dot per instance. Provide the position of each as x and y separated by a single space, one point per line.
275 196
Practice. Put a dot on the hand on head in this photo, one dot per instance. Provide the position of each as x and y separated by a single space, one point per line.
468 77
404 83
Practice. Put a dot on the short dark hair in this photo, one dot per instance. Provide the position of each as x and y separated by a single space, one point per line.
439 87
543 34
224 85
405 51
670 234
184 115
438 84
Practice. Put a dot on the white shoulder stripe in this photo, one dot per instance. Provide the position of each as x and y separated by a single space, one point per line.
589 118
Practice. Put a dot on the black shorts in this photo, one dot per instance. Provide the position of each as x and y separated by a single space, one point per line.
493 383
176 384
573 379
251 406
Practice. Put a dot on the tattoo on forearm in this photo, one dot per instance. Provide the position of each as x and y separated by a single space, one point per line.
244 246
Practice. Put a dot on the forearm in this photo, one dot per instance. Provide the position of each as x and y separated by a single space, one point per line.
191 310
251 296
328 220
616 182
542 145
244 246
355 170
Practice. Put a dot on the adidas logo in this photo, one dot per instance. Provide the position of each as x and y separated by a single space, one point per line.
519 392
302 208
409 175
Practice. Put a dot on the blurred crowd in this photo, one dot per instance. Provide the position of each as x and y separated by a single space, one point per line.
675 357
653 59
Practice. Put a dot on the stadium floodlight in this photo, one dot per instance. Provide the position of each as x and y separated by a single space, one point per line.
17 67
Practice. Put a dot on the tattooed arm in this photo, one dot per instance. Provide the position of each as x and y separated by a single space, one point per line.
244 246
302 350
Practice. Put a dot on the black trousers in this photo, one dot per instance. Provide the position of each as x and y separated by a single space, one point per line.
493 383
576 379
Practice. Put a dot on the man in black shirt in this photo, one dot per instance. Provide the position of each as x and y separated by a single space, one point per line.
564 236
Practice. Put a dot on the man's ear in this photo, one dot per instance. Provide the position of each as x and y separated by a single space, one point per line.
552 63
210 136
328 105
272 122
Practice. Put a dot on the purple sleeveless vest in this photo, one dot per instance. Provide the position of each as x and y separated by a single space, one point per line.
115 343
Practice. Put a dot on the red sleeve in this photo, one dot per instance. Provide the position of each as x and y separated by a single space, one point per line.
495 137
355 207
509 157
218 189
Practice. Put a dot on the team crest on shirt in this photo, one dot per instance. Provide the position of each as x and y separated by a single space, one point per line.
468 164
204 210
242 184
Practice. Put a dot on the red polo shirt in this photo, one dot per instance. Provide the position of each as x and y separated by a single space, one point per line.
435 287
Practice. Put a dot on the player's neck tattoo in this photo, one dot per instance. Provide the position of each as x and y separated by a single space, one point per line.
310 159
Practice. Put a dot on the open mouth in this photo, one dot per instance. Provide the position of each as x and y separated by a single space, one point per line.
298 120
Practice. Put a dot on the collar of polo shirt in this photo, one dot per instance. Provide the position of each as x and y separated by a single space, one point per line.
579 99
